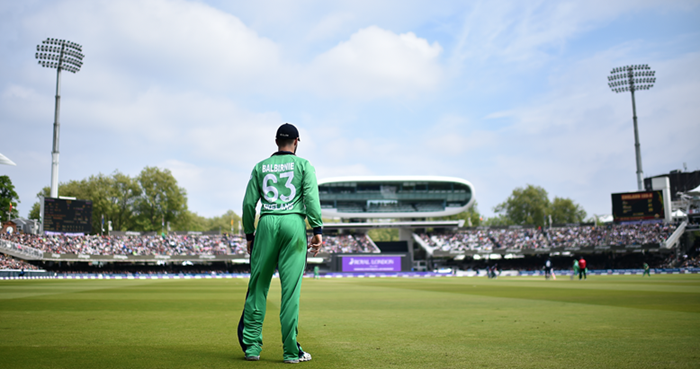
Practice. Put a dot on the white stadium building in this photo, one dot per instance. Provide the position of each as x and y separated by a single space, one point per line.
370 197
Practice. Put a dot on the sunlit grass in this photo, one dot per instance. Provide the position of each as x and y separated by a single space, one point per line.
609 321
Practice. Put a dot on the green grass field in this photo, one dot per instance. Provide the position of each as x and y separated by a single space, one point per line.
604 322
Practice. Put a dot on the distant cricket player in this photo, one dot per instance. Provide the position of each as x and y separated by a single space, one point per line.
575 269
646 270
286 186
547 269
317 274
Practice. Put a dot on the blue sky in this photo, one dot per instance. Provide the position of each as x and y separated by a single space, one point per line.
500 93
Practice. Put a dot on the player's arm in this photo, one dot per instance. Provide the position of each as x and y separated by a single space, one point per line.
250 201
313 207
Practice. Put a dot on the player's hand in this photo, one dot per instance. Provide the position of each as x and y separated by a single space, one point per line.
249 246
316 243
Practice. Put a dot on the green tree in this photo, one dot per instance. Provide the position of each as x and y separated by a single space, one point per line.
471 216
223 222
8 197
35 212
527 205
139 204
161 200
384 234
189 221
96 189
565 210
498 220
125 192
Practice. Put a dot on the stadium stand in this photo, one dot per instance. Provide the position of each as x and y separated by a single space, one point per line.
691 263
171 244
639 234
348 244
8 262
133 245
469 240
486 239
480 239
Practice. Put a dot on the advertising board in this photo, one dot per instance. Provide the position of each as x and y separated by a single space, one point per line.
371 263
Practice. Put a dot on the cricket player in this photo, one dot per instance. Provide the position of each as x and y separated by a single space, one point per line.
286 186
547 269
575 269
646 270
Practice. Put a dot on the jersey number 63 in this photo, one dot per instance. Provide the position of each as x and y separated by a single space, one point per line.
271 192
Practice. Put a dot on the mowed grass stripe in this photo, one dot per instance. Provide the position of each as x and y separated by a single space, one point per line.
629 295
437 329
347 323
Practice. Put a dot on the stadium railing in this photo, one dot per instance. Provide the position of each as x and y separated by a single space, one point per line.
20 251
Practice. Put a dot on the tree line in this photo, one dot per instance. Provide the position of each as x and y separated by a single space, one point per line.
8 199
529 205
150 201
153 199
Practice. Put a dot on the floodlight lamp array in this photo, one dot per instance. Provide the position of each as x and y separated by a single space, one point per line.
63 54
631 78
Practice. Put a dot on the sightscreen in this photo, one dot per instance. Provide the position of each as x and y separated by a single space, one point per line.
67 216
637 206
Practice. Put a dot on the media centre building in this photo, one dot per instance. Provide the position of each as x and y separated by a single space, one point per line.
362 203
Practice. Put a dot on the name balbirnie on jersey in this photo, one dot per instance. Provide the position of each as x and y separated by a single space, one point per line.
274 168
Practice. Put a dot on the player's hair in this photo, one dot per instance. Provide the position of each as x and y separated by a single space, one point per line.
281 142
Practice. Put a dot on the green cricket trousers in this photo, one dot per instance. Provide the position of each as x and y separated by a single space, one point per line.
280 242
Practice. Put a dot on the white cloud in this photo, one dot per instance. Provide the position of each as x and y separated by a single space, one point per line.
199 126
177 44
201 90
329 26
454 135
180 40
20 92
577 139
377 63
211 191
532 32
324 171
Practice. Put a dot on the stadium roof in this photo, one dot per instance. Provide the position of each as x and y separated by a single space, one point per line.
412 224
5 160
695 191
366 197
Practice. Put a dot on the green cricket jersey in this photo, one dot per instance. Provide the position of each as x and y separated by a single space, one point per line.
285 184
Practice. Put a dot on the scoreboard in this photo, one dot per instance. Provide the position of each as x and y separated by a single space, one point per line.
69 216
638 206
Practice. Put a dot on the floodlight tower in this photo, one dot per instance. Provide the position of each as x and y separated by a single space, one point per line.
632 78
59 54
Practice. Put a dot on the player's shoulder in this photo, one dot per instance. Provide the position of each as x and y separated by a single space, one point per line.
302 161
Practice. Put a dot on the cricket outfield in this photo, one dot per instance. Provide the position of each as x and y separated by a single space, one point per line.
519 322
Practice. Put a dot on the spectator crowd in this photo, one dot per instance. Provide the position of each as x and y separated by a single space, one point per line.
486 239
348 244
8 262
170 244
133 245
